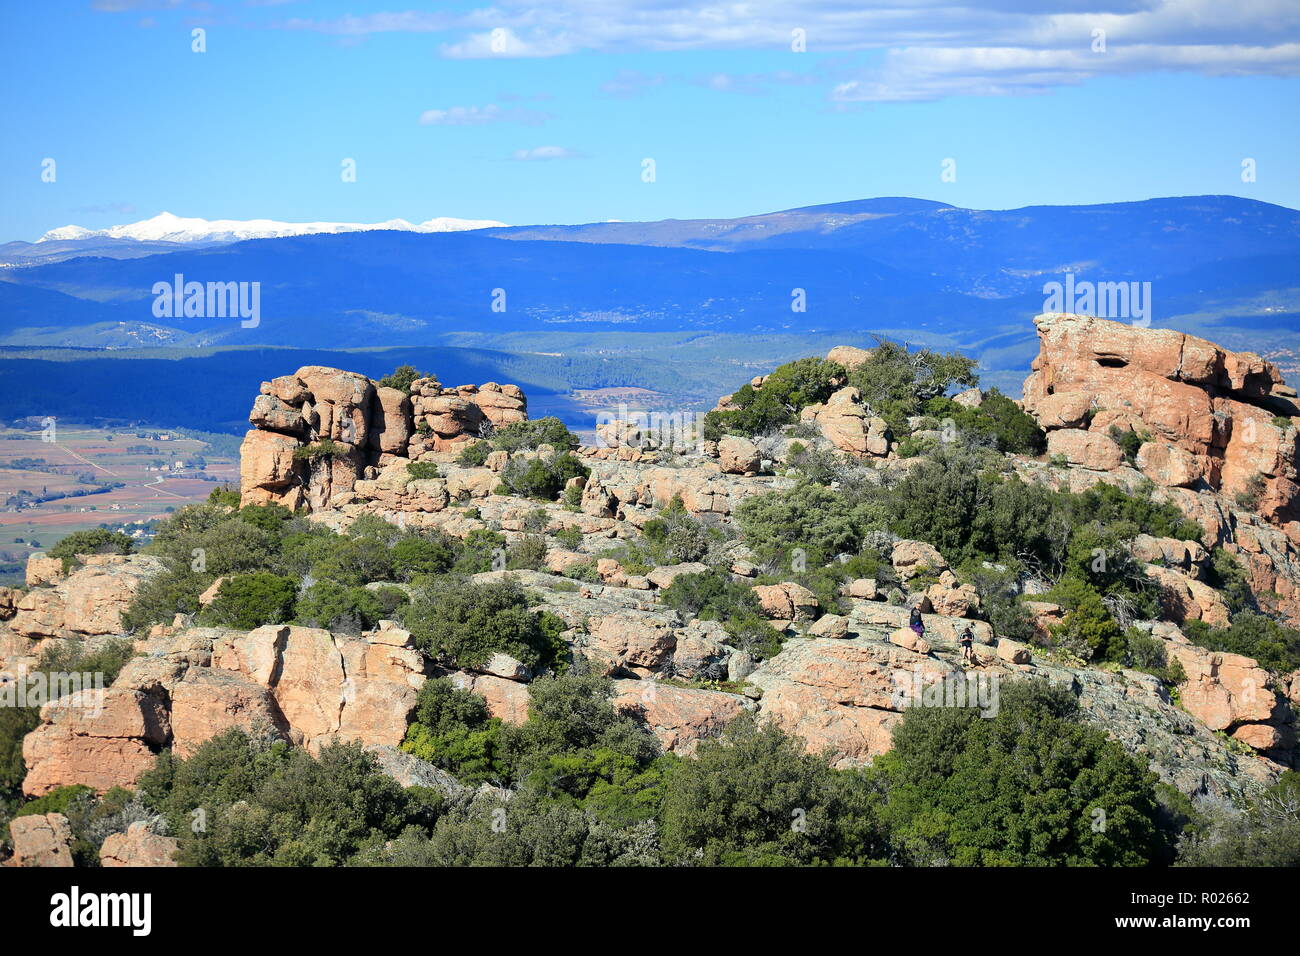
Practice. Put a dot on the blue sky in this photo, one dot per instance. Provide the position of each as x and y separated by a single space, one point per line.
551 122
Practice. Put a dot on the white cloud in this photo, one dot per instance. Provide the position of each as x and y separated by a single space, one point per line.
545 152
921 49
482 116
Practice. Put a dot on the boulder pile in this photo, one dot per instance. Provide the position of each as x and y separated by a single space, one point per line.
320 430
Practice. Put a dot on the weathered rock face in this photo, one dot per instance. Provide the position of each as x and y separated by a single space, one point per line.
1217 419
839 696
506 699
680 717
138 846
365 425
1233 693
100 739
738 456
326 687
846 423
41 840
87 602
208 702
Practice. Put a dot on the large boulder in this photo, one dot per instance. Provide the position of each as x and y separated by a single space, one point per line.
1086 449
391 423
41 840
326 687
102 739
845 422
1223 690
786 601
849 356
842 697
138 846
207 702
628 639
911 558
680 717
1215 418
738 456
89 601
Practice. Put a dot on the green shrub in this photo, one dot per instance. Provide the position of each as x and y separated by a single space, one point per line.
225 496
246 601
714 596
1276 647
452 730
1129 441
1089 630
570 537
423 470
531 434
402 377
325 448
1265 833
756 798
1227 576
269 518
464 624
354 561
1024 787
527 554
474 454
266 803
823 522
92 541
787 390
1149 654
431 552
347 610
542 478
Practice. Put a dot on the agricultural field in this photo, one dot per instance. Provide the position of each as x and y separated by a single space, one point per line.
72 477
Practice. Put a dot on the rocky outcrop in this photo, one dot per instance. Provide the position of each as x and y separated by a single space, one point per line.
317 432
41 840
1218 420
839 696
1232 693
138 846
848 425
679 717
89 601
326 687
99 739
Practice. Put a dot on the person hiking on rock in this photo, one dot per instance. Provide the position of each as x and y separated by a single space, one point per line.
967 642
914 621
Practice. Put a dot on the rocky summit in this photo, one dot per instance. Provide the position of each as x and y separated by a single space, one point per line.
682 572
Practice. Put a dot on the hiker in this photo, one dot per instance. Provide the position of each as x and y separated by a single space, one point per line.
967 641
914 621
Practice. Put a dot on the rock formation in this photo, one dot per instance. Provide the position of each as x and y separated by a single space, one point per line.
339 446
1220 430
320 430
1217 420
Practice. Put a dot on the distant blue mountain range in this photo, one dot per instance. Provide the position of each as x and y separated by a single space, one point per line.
878 263
915 269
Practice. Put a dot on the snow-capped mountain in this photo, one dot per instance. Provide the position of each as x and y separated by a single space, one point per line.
165 227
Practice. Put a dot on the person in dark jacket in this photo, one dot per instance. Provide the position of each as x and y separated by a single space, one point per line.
967 642
914 621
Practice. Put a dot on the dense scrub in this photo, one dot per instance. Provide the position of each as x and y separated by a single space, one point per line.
590 787
277 568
